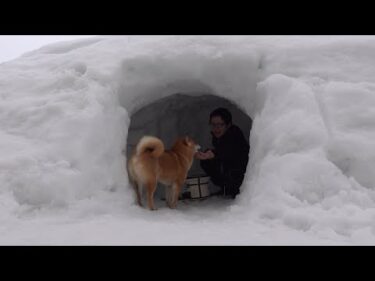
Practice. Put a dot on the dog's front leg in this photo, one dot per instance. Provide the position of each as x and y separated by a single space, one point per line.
168 195
175 191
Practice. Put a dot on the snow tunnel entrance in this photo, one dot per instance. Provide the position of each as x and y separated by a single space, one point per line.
178 115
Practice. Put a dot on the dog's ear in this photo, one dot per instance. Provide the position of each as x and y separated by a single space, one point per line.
186 140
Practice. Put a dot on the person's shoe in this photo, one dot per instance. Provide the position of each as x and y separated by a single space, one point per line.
218 193
230 194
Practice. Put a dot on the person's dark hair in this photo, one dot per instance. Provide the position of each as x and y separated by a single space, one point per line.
223 113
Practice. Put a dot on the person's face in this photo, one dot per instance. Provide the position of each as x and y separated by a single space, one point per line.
218 126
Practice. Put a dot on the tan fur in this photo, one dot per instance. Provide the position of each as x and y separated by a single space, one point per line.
150 164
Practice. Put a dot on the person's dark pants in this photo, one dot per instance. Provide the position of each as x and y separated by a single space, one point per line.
229 181
233 183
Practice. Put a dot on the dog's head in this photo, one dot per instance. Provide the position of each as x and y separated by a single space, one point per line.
189 142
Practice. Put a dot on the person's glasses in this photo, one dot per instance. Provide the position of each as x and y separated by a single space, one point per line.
217 125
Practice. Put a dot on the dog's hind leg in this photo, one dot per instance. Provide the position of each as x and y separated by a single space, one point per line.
138 192
133 179
151 187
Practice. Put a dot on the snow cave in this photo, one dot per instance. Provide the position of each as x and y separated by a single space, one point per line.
172 95
178 115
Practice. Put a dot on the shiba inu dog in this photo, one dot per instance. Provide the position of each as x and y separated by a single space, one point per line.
150 163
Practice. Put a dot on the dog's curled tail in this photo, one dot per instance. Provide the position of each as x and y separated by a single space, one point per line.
151 145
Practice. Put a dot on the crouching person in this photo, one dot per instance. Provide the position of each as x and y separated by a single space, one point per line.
226 162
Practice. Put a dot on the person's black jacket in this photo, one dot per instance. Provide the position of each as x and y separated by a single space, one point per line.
231 158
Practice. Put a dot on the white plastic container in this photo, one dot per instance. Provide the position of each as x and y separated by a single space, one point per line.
198 186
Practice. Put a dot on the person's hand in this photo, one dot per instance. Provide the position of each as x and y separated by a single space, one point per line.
204 155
